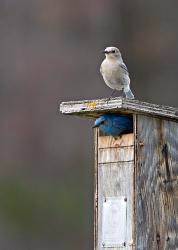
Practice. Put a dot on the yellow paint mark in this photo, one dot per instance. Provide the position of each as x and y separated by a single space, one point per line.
91 105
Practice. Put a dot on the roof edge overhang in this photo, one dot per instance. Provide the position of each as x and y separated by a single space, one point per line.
95 108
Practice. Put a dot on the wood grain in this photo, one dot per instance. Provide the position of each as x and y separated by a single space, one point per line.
142 166
96 188
156 192
115 179
115 154
95 108
120 141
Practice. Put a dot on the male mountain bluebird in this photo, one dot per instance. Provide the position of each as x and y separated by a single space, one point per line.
115 72
115 125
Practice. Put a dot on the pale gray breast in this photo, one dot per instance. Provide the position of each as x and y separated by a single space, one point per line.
115 74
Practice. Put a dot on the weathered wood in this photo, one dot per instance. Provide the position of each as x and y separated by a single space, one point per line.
156 184
115 179
142 167
169 176
134 182
115 154
96 188
120 141
94 108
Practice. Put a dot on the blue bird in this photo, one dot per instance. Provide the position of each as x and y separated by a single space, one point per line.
114 125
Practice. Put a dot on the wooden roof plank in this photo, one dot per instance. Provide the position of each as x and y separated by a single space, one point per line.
94 108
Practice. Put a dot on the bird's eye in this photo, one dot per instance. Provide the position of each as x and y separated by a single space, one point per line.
113 51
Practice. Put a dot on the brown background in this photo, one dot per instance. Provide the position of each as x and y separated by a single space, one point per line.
50 52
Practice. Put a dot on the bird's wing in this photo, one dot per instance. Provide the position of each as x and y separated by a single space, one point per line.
122 122
124 67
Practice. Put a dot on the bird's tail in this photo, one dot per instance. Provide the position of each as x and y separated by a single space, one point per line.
129 94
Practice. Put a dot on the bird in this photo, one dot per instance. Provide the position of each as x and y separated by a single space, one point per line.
115 73
115 125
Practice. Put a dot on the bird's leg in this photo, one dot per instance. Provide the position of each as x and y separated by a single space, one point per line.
123 94
111 95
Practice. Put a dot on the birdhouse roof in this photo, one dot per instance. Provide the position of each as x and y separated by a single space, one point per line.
95 108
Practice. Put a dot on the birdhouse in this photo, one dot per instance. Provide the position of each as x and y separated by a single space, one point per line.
135 176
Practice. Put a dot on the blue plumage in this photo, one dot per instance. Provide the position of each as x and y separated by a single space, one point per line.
114 125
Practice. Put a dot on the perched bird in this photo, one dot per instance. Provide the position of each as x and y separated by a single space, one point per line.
115 72
115 125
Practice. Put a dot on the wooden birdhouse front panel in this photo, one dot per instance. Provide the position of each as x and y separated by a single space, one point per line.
114 191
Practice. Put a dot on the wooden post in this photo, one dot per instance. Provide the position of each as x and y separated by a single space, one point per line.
136 176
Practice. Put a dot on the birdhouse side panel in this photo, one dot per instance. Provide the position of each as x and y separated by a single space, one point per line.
156 183
169 176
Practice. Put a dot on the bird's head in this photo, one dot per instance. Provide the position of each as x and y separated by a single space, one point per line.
103 121
99 121
112 53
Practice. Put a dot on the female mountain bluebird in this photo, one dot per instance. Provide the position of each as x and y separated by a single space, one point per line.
115 125
115 72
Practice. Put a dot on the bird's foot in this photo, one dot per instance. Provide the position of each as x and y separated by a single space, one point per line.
108 99
111 95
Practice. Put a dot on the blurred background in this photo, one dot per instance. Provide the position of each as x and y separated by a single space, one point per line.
49 53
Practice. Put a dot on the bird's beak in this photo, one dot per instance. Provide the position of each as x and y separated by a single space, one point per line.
105 52
95 126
